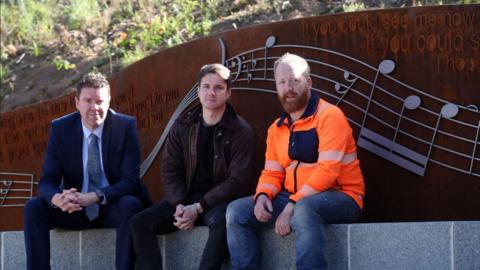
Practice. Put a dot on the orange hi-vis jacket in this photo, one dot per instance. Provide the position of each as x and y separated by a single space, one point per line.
314 154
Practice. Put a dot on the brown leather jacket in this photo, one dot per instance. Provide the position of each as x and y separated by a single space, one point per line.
233 165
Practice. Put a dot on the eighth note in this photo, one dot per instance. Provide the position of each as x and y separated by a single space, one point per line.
338 86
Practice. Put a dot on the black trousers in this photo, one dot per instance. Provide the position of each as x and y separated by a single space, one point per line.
40 217
158 220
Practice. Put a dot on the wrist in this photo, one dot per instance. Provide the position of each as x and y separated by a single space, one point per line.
289 207
53 202
100 195
198 208
261 194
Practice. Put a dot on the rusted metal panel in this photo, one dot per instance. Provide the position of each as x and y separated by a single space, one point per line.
407 79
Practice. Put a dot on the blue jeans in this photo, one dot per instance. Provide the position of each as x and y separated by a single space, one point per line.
310 214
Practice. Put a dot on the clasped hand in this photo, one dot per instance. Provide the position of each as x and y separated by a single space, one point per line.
70 200
185 216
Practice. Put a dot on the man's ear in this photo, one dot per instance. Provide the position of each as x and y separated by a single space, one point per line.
309 82
229 93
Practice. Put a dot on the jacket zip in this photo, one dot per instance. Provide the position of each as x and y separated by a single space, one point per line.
296 166
295 177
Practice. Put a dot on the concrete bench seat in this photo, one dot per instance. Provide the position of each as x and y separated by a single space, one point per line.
416 245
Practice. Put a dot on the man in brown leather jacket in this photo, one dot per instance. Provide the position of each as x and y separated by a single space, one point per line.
208 161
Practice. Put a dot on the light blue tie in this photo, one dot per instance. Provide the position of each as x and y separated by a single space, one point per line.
94 174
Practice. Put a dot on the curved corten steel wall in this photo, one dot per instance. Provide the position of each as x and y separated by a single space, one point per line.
406 78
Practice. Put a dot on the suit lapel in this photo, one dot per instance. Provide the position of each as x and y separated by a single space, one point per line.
78 149
106 139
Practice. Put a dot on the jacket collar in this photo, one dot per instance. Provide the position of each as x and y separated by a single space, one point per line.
309 111
229 119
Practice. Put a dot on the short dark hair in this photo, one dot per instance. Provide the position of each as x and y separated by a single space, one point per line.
93 80
218 69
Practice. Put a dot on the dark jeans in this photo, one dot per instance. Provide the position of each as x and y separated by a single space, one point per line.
40 217
158 220
310 215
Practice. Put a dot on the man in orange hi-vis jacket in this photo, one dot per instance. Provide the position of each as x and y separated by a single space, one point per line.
311 177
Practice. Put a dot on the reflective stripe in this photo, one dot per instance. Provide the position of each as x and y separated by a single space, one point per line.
348 158
338 156
303 164
292 165
330 155
273 165
307 190
268 186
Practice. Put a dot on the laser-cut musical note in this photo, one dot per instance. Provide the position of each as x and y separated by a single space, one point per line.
237 62
392 151
338 86
448 111
253 64
385 67
389 148
268 44
412 103
473 108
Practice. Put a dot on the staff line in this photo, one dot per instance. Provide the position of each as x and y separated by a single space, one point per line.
379 120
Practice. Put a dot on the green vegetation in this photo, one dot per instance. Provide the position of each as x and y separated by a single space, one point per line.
3 72
81 13
112 34
27 22
62 64
121 31
175 22
39 24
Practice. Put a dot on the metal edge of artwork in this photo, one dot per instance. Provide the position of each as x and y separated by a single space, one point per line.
8 186
387 148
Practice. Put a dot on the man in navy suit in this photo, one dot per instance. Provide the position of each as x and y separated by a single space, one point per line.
90 177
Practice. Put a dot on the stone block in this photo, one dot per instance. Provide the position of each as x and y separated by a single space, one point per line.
336 249
183 249
398 246
466 245
64 249
97 249
393 246
13 251
279 253
276 251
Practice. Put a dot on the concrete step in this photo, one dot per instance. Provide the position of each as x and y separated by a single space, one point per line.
392 246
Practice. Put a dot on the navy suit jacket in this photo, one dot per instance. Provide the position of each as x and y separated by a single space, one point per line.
120 155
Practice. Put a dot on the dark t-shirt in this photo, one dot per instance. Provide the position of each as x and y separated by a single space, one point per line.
203 180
